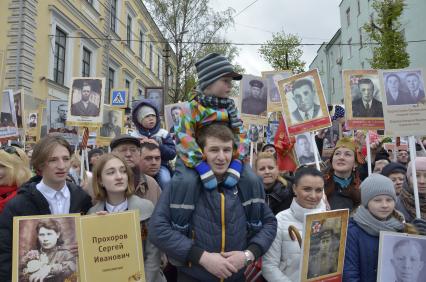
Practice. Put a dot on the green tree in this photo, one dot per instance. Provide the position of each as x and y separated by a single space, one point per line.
188 25
283 52
385 30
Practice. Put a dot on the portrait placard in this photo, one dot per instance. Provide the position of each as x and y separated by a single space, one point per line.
156 94
45 246
363 99
8 124
85 102
402 257
323 247
108 253
305 149
18 101
31 116
57 121
112 125
274 98
303 103
253 93
404 102
173 114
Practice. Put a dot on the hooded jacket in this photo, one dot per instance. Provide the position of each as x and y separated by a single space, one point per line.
29 201
162 136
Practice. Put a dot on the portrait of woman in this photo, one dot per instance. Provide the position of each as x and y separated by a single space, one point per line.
50 260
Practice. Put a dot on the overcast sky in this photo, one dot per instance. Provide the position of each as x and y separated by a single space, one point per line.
315 21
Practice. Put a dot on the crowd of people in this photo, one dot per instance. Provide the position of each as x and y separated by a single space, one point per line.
210 215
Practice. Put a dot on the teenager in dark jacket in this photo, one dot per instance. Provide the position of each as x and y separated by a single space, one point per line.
376 213
146 118
279 194
51 195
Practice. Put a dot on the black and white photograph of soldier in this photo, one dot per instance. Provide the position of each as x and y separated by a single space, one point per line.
404 87
32 120
304 149
112 123
58 113
253 133
366 99
402 258
324 247
156 95
254 96
86 97
303 101
47 249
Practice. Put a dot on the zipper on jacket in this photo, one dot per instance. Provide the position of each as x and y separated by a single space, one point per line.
222 221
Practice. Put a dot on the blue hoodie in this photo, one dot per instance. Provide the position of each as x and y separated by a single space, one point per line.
162 136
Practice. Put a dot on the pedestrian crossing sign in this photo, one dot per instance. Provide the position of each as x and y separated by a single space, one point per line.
119 98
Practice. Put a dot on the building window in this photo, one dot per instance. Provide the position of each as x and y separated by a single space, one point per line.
151 56
110 85
129 30
141 45
59 64
114 15
359 7
348 16
350 47
360 38
85 72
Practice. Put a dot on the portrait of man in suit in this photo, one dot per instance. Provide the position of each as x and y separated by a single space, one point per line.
85 107
304 97
395 95
367 105
304 150
412 81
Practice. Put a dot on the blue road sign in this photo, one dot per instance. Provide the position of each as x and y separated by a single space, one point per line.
118 98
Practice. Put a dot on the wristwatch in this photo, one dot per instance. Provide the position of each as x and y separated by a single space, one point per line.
249 257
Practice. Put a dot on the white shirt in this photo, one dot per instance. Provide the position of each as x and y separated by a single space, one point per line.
59 201
118 208
85 104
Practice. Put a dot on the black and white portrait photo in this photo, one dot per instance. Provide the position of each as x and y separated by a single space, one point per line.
47 249
272 79
404 87
112 122
17 100
58 113
173 115
7 116
402 258
156 95
366 97
254 95
32 120
304 149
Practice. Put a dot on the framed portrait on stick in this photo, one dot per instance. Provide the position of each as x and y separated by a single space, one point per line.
402 257
45 247
303 103
253 91
173 114
271 78
8 124
156 94
112 125
363 99
323 246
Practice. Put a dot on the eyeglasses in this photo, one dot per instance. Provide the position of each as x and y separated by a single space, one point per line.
10 150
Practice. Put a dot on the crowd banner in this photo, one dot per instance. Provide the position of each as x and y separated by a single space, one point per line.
412 147
401 257
367 141
404 102
363 99
323 246
303 103
271 78
253 93
83 248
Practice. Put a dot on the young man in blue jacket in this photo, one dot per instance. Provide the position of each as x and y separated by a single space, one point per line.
229 227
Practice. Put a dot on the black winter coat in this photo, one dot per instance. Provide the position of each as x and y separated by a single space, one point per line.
279 197
29 201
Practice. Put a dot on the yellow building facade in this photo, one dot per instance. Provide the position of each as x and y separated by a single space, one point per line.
47 42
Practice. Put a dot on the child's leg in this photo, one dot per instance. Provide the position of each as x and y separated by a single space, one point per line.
185 185
164 177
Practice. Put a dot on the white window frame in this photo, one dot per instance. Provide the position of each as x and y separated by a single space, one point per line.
60 20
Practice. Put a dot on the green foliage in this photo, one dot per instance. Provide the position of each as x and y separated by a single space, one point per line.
283 52
187 25
390 51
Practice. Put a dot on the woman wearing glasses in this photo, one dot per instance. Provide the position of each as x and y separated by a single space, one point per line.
14 171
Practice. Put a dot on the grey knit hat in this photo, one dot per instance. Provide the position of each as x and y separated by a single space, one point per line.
212 67
374 185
